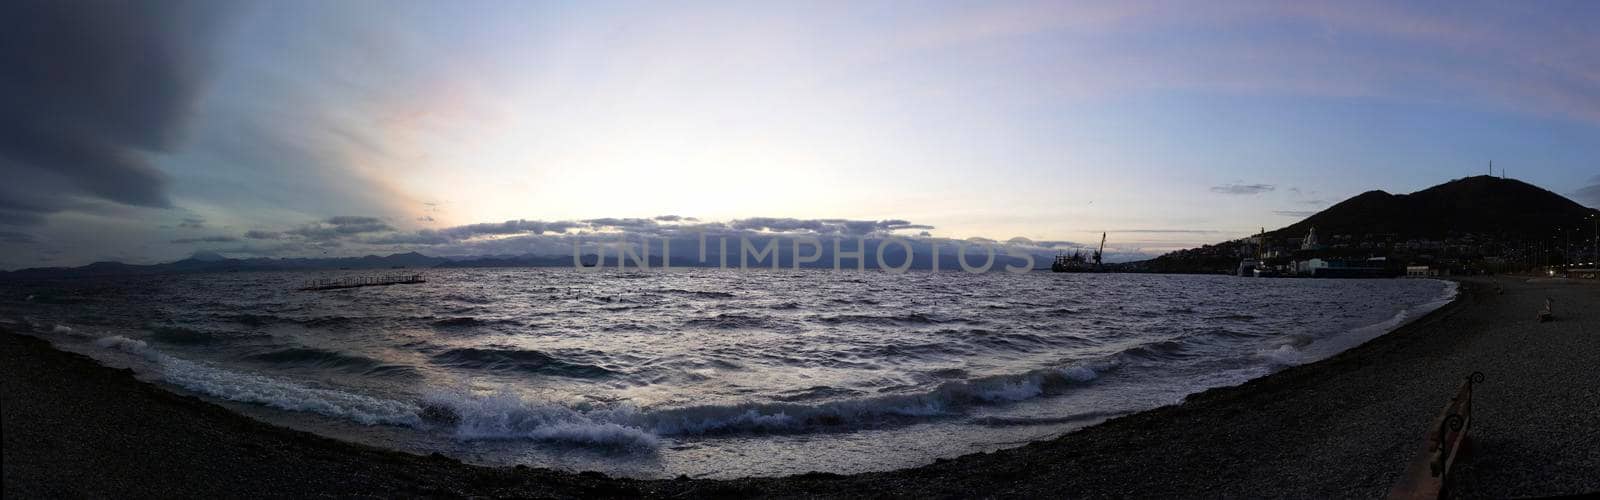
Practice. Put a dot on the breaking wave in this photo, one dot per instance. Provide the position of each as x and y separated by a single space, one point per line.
507 415
266 391
516 360
322 359
754 356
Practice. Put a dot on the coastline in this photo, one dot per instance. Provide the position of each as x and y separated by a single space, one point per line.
1347 425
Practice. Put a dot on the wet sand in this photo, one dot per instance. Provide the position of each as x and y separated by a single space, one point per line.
1347 426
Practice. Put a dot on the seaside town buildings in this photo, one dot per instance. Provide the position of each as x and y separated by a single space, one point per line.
1320 254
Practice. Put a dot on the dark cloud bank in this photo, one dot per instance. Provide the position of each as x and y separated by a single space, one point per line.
89 91
1589 195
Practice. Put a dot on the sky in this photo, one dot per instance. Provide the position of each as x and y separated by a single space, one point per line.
146 131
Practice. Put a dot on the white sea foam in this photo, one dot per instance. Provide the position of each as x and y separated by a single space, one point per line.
1284 355
942 362
125 344
503 414
267 391
1011 390
1357 336
61 329
1079 373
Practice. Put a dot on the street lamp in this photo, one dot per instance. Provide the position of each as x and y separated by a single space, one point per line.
1594 265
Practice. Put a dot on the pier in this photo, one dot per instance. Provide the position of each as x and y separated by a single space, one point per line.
360 281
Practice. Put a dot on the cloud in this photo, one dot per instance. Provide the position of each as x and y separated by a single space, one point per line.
1589 195
625 224
1166 231
509 227
206 239
91 90
823 226
365 233
341 226
425 218
192 223
1243 189
15 237
15 213
353 220
1295 213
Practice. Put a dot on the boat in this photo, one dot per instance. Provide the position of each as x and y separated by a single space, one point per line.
1248 268
1257 267
1079 262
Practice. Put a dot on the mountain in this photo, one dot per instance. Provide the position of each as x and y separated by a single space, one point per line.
1481 205
1487 216
208 262
207 256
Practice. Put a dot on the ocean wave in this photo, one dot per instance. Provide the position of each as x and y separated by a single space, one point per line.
121 343
467 298
893 320
1356 336
523 360
1234 317
507 415
815 393
730 321
332 321
1283 356
459 322
697 293
949 398
996 421
267 391
1158 352
168 334
1013 340
249 319
311 357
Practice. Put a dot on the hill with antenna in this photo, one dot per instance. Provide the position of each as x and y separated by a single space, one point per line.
1481 205
1481 217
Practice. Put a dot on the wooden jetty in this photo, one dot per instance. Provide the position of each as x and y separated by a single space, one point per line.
360 281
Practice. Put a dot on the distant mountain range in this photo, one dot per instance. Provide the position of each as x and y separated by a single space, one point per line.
209 262
203 262
1485 207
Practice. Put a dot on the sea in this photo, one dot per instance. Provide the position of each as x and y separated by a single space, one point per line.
706 372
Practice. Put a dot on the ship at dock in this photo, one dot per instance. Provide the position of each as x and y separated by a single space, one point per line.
1080 262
